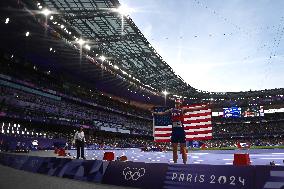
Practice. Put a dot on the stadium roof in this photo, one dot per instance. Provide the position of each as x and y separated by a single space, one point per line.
116 36
130 58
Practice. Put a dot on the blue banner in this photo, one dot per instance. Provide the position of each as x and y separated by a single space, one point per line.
32 164
152 175
52 166
138 174
209 176
269 177
19 161
91 170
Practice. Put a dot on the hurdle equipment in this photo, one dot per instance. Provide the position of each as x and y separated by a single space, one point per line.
108 156
241 159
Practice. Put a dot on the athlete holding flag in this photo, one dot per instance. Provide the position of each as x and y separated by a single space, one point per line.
178 133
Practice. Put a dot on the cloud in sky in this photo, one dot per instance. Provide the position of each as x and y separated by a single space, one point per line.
218 45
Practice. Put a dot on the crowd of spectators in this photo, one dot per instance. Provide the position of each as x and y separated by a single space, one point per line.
221 143
23 104
31 105
261 128
45 80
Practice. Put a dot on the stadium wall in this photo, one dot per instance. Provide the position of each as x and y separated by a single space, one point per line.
151 175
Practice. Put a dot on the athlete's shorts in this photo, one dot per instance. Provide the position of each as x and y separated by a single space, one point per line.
178 135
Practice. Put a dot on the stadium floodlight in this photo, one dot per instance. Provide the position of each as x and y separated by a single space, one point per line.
7 20
81 41
124 10
102 58
51 18
116 67
27 34
165 92
88 47
46 12
62 26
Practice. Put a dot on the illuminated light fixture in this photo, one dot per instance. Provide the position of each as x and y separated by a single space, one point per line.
124 10
102 58
54 22
70 33
62 26
7 20
87 47
27 34
165 92
46 12
51 18
116 67
40 7
80 41
50 49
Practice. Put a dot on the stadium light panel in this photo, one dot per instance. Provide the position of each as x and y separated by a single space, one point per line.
7 20
88 47
102 58
165 92
80 41
124 10
46 12
27 34
116 67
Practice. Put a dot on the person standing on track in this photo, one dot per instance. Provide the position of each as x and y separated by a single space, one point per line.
80 140
178 133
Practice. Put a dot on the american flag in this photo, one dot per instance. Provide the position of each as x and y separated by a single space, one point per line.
196 120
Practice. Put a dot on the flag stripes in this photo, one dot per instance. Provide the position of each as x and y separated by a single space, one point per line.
196 121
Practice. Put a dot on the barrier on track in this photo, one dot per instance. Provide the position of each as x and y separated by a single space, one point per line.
152 175
136 174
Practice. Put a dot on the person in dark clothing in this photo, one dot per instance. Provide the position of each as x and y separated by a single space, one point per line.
80 140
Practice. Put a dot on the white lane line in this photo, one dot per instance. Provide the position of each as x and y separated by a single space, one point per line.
259 155
195 157
271 158
199 153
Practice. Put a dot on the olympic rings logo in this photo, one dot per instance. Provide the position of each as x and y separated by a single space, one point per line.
134 173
